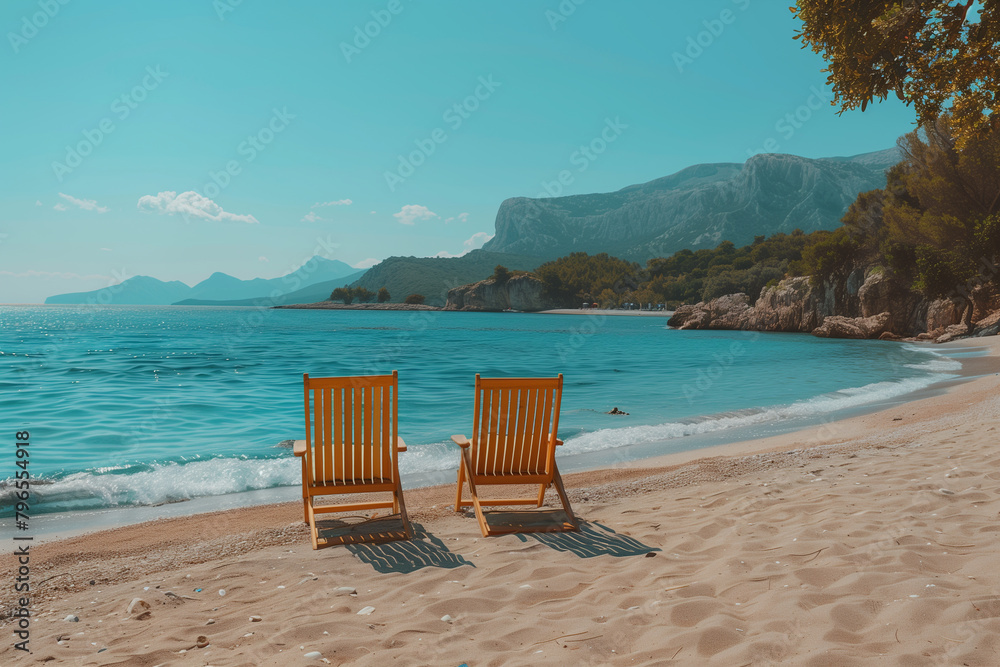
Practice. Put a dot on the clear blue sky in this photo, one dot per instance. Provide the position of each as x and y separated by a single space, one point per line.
184 85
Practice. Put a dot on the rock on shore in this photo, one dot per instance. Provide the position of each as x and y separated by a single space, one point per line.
521 292
866 303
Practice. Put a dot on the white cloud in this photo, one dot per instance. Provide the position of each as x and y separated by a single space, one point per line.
366 263
38 202
461 217
474 242
410 213
85 204
339 202
310 217
373 212
61 207
192 204
106 249
263 259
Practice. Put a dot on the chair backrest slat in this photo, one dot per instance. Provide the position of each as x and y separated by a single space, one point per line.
531 424
351 429
514 426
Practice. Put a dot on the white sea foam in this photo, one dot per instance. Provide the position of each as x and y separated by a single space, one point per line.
844 399
938 365
168 482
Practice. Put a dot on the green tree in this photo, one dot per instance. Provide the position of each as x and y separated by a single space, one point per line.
501 274
568 280
415 299
943 205
383 295
933 54
363 294
344 294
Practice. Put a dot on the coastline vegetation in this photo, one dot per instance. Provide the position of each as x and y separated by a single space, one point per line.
932 228
348 295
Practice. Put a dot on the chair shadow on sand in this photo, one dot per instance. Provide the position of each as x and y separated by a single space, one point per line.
515 521
592 540
400 555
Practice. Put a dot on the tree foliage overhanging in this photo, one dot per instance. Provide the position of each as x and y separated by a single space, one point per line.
941 56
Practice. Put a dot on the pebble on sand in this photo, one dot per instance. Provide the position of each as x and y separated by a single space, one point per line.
447 618
347 590
72 619
255 619
313 655
367 611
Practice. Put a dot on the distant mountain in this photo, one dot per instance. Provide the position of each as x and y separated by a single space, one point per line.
144 290
434 276
698 207
311 294
139 290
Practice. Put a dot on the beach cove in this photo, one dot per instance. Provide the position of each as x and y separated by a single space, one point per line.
167 411
870 539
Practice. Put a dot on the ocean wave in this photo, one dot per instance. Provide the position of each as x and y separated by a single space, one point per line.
844 399
157 483
940 365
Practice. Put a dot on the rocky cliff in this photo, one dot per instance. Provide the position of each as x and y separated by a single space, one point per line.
521 292
866 303
697 207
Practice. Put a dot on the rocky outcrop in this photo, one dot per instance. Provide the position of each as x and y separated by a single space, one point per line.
881 294
793 305
941 314
521 292
865 303
838 326
953 332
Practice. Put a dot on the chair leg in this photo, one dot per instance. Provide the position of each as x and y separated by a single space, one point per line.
483 526
400 505
541 494
312 524
305 494
461 481
557 480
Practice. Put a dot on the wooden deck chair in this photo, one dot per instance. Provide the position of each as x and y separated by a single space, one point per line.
351 446
513 442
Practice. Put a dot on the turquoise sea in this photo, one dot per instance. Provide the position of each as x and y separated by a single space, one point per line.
132 406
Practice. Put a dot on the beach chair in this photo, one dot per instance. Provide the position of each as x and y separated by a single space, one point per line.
513 443
351 446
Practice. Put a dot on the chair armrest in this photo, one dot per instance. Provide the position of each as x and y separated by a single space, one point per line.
299 448
461 441
558 441
400 445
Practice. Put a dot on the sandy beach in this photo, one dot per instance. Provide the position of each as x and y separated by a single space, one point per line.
868 541
607 312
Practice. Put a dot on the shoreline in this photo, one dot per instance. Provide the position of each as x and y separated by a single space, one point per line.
329 305
733 441
606 312
871 537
